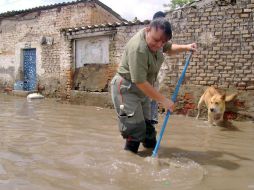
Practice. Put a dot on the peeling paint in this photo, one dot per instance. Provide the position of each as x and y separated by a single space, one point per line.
7 71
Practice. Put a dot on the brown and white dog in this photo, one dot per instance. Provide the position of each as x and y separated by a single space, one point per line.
215 103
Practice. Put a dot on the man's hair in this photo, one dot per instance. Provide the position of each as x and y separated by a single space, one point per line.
162 24
159 14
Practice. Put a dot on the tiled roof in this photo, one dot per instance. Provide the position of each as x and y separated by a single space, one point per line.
46 7
106 25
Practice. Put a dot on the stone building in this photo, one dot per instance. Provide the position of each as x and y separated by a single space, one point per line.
30 42
223 30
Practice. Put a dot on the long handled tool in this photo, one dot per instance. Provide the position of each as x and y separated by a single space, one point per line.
187 61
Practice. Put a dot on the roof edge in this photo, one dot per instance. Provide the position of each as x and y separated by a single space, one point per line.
52 6
105 25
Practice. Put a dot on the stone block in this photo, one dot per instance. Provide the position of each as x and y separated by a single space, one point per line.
244 15
238 71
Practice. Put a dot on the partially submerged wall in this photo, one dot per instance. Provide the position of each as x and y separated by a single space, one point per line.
224 33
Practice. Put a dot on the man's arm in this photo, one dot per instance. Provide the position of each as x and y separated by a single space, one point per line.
152 93
176 48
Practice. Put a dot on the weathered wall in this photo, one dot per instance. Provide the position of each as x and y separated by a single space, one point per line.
224 35
26 31
96 77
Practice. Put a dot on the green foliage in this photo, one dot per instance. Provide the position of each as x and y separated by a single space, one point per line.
174 4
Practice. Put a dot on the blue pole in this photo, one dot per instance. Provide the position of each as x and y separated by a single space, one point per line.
187 61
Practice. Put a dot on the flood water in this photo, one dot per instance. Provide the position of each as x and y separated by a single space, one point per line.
46 145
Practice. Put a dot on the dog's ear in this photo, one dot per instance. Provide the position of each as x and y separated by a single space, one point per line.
230 97
223 96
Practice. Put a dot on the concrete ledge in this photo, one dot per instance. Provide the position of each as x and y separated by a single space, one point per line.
101 99
239 109
20 93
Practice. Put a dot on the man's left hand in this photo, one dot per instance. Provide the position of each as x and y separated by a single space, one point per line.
192 47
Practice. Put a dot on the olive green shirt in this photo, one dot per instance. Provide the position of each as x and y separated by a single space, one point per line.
138 63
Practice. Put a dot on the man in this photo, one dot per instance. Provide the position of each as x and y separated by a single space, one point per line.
132 87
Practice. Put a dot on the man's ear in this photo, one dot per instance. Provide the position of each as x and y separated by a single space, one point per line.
148 28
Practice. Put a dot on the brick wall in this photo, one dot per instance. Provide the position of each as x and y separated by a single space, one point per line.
225 36
224 33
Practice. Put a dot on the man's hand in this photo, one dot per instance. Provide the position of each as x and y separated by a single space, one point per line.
192 47
149 91
168 104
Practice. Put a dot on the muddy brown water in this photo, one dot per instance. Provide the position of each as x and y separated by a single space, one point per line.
46 145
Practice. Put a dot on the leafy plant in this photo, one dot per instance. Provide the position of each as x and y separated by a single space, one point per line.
174 4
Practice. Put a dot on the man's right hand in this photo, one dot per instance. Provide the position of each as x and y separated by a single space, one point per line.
168 104
149 91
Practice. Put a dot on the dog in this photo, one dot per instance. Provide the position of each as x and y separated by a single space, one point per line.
215 103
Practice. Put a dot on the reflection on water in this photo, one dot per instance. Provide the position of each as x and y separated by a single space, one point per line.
51 146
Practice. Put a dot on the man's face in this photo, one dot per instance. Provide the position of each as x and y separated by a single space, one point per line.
155 38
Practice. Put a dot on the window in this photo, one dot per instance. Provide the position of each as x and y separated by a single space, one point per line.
92 50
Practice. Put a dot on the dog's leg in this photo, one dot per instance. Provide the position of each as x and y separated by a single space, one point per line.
199 105
219 121
221 118
210 118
